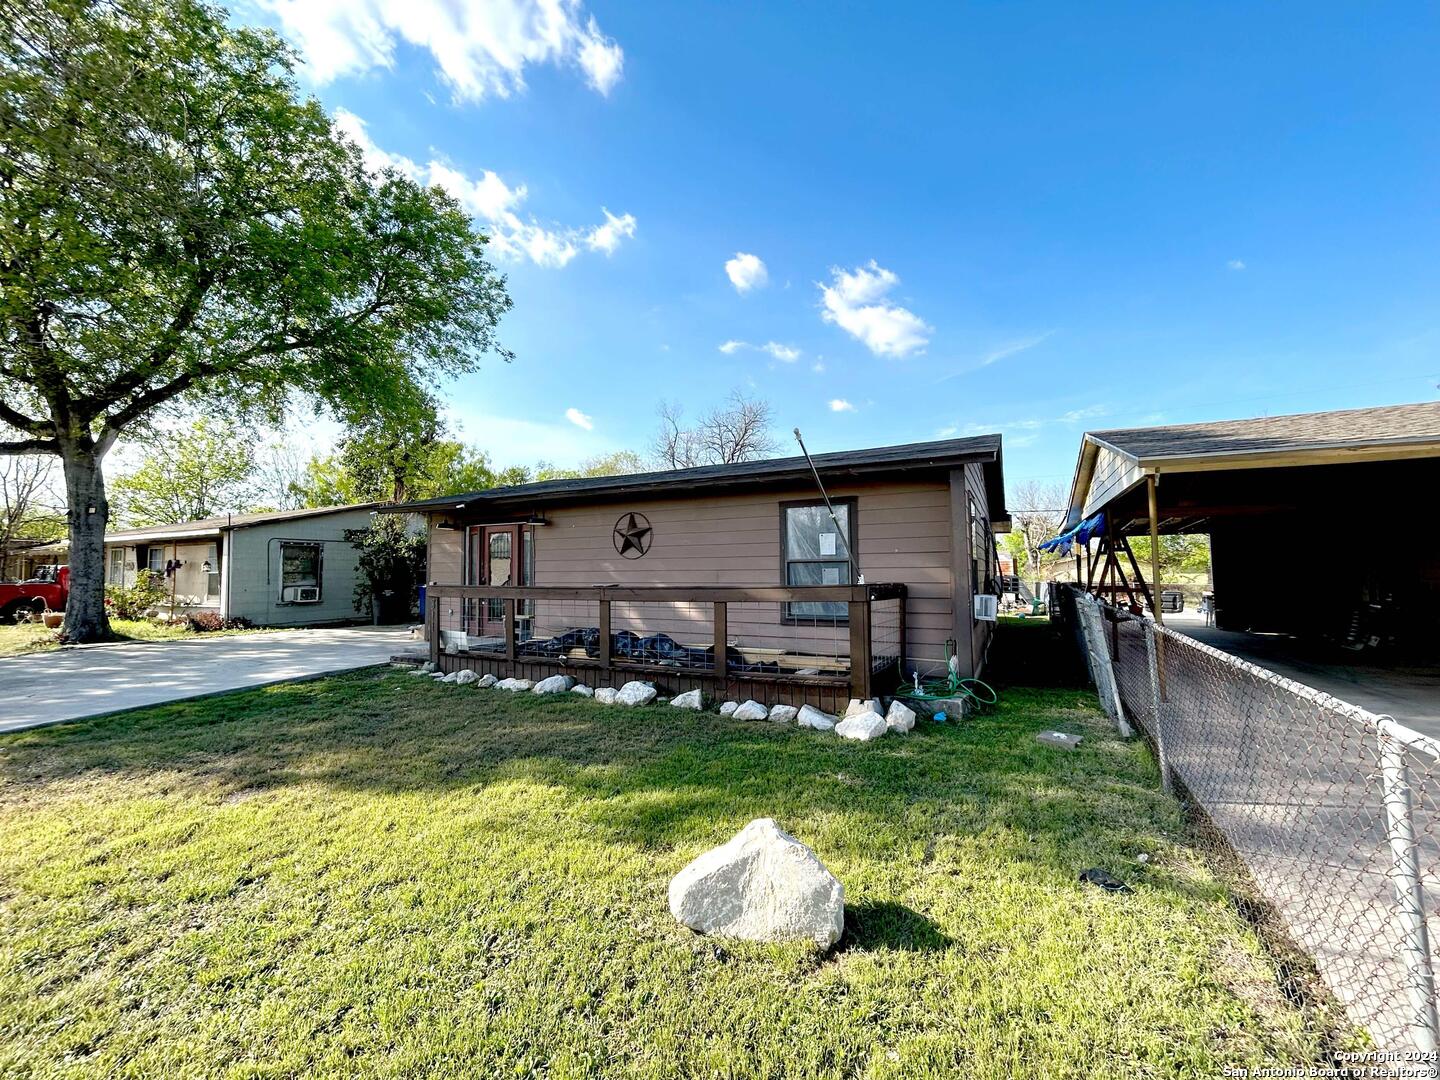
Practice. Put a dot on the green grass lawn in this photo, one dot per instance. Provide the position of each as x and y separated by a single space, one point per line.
378 875
23 638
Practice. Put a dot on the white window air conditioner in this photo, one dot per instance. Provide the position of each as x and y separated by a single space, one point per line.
987 607
300 594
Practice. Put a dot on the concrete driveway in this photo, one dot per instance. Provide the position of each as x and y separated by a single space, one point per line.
51 687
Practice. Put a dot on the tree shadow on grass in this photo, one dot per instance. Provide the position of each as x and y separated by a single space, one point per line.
873 927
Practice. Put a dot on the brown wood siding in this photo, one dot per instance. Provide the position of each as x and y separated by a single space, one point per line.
903 536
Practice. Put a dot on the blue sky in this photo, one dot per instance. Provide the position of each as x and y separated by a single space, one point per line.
1025 217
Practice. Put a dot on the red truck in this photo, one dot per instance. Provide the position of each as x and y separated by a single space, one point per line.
49 588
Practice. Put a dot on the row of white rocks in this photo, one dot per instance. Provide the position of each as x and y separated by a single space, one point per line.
863 720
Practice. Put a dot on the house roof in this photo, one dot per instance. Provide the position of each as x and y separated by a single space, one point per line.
878 460
1385 433
1280 434
214 526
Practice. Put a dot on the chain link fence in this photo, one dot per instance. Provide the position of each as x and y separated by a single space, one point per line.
1333 812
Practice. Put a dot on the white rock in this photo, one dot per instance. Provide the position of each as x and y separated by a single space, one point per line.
555 684
783 714
453 677
582 690
466 677
514 685
688 700
862 726
751 710
419 674
427 667
856 707
728 709
606 695
486 681
1060 739
764 885
900 718
812 717
635 693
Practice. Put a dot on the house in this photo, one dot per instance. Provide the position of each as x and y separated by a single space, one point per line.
736 579
287 568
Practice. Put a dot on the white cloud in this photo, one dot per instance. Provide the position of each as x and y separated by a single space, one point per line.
1011 348
1236 264
579 419
607 237
841 405
785 353
481 48
496 203
746 272
818 367
855 301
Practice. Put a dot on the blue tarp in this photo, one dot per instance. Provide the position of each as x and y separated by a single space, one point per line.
1080 534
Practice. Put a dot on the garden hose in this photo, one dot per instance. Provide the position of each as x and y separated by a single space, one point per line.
952 686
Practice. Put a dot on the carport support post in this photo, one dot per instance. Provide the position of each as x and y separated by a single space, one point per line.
1409 892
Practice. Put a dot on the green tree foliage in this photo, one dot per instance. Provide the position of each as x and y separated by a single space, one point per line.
619 463
179 226
133 601
198 471
1187 554
392 566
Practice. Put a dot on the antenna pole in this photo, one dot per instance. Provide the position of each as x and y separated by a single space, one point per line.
829 506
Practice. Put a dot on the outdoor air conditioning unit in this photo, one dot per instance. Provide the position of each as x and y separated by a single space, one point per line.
300 594
987 607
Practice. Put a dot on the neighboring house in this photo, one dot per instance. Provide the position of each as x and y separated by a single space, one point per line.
655 575
20 559
288 568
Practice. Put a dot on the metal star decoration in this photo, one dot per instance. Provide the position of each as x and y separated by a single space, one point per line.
632 535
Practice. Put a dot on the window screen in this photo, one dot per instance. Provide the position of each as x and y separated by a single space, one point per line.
816 553
299 565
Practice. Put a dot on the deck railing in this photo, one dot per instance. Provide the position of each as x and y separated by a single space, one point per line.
817 643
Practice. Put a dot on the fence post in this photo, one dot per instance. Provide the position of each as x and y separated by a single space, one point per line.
1153 663
1102 668
508 606
721 628
859 612
1409 891
432 627
604 657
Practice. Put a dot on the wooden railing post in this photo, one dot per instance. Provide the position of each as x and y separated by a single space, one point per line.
900 631
722 637
604 603
860 649
509 629
432 625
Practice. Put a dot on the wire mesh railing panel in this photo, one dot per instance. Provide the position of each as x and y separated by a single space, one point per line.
1333 811
885 644
678 634
788 638
471 624
557 629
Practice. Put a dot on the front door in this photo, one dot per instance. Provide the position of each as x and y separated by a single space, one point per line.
495 559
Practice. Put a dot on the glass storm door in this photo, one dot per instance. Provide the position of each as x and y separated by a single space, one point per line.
495 559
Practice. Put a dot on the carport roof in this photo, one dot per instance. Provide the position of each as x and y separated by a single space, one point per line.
1281 434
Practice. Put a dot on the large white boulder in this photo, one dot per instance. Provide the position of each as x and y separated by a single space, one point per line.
582 690
466 677
783 714
605 695
514 685
900 718
751 710
555 684
486 681
728 709
764 885
862 726
857 706
635 693
812 717
691 699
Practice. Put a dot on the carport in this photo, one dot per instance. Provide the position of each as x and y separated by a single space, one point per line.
1306 517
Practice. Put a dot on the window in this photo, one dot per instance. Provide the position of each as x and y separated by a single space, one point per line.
154 558
983 554
815 552
299 566
212 579
117 565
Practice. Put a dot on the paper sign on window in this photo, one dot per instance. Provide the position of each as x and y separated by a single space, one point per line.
830 575
827 543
